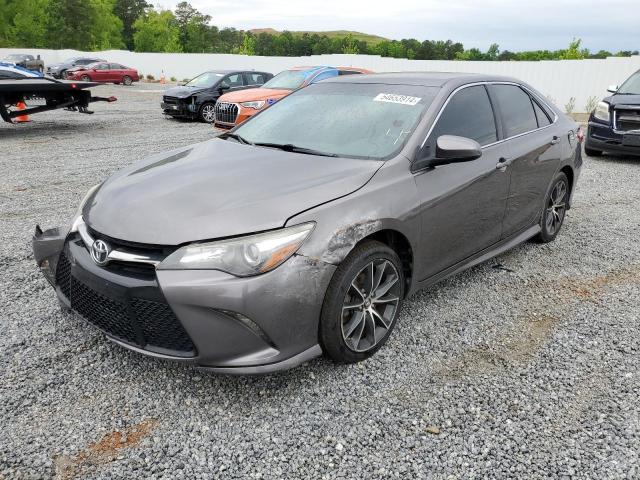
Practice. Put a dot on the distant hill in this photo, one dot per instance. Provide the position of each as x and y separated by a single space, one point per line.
364 37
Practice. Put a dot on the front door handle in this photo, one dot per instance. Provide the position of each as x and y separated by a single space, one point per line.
503 163
555 140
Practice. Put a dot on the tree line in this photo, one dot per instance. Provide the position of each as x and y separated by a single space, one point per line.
136 25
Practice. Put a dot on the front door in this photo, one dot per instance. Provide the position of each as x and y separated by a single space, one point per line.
462 204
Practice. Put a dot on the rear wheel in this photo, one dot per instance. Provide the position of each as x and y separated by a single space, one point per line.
85 78
555 209
207 112
126 80
362 303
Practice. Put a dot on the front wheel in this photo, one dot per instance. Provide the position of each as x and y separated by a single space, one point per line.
126 80
207 112
64 74
555 209
362 303
86 78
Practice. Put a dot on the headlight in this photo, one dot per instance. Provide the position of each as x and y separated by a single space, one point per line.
602 111
78 213
257 105
242 257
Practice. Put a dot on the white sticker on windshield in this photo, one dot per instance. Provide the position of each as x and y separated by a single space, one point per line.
393 98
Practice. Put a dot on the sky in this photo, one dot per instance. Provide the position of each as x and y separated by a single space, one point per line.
514 24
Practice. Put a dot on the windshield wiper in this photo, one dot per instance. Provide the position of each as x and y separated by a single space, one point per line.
235 136
288 147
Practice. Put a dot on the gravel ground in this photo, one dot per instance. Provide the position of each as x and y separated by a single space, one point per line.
526 366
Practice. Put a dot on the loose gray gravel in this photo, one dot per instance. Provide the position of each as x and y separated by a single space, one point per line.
524 371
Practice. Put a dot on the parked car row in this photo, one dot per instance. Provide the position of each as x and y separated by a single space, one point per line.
229 97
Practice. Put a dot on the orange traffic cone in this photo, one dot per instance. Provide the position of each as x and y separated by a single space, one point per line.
22 118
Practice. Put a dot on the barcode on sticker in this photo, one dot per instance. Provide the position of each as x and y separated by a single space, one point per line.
393 98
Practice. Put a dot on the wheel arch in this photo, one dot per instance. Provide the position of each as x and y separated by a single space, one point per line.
399 243
568 171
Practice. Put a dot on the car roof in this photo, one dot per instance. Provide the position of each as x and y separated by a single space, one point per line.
226 72
425 79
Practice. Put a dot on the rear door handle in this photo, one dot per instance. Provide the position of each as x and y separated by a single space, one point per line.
503 163
555 140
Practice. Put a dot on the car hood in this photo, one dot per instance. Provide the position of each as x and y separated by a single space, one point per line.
183 92
253 94
623 100
217 189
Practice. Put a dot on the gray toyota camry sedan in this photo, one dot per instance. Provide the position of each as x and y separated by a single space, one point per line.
302 231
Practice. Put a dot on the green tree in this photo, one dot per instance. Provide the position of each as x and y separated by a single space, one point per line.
28 26
157 32
573 52
106 27
69 24
248 45
128 11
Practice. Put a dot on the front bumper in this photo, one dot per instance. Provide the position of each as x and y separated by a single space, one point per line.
209 318
180 109
604 138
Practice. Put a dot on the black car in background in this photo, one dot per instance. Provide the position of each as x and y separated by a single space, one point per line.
59 70
26 61
614 125
197 98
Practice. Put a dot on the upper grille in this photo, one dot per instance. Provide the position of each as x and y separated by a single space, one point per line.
627 119
226 112
171 100
138 321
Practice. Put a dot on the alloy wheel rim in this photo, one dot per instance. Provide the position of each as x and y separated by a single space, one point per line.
208 113
370 304
556 207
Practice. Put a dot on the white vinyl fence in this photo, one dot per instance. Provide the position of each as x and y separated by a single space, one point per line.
559 80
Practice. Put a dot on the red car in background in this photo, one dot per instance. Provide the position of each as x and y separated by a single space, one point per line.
104 72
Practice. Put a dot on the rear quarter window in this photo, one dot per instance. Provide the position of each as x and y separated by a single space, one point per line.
516 108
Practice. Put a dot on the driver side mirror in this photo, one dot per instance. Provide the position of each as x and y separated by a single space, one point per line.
613 88
449 149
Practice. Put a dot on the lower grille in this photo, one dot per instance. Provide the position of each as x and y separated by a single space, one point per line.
226 112
627 119
63 275
138 321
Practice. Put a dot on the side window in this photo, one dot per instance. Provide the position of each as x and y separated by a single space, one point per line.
468 114
255 78
115 66
348 72
516 108
234 80
541 115
103 66
28 58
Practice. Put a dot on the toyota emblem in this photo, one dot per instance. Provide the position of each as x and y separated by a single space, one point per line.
100 252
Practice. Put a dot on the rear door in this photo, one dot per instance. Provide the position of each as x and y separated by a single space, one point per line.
116 72
534 156
235 81
462 204
101 73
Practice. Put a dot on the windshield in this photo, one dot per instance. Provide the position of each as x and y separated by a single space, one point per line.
204 80
631 86
287 80
343 119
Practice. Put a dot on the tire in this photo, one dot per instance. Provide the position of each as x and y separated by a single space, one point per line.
207 112
592 153
126 80
349 330
85 78
41 69
63 74
555 209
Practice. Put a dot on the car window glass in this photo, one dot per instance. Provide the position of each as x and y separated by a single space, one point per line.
103 66
517 111
541 116
115 66
234 80
468 114
348 72
255 78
